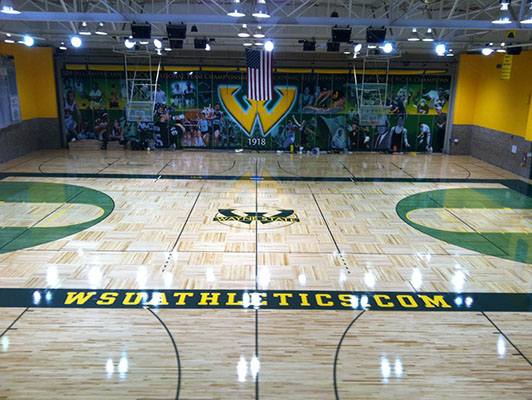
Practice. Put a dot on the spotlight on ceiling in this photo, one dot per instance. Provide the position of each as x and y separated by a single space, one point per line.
429 36
129 43
268 45
158 43
247 43
333 46
387 47
258 33
100 30
341 35
357 47
76 41
176 43
375 36
244 33
141 31
414 36
62 46
84 30
178 31
261 10
487 51
527 18
440 49
7 7
236 10
207 47
504 16
28 40
308 45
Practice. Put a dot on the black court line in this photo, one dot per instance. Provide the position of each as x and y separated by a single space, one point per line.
109 165
470 227
330 232
41 164
348 170
266 178
285 170
165 165
507 339
402 170
14 322
43 218
338 352
175 350
468 171
181 231
228 169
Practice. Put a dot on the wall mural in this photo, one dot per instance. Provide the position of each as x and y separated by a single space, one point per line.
308 111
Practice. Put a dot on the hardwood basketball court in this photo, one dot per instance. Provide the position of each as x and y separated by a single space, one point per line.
193 275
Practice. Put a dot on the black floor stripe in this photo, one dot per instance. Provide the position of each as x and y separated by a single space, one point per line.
402 170
181 231
348 170
14 322
178 360
42 219
470 227
335 383
267 178
507 338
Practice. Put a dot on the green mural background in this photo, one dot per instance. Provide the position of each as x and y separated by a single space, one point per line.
327 102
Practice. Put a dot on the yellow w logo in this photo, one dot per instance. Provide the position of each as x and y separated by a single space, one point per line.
268 116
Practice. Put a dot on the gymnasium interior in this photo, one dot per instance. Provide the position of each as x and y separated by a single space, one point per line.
274 199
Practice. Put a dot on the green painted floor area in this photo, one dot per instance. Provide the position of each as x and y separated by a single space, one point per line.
16 238
512 246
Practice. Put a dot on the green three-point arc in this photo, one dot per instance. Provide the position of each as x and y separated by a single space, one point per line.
515 246
20 237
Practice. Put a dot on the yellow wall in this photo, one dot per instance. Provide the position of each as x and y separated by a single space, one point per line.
484 99
35 80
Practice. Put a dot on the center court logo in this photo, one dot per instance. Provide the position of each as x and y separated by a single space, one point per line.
243 217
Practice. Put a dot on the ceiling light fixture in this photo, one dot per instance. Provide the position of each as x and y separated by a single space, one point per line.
268 45
258 33
76 41
236 10
487 51
527 18
28 40
414 36
9 39
244 33
429 37
158 43
129 43
7 7
62 46
100 30
440 49
387 47
503 16
261 10
84 30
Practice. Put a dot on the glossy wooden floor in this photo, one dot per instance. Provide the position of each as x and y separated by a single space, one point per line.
162 235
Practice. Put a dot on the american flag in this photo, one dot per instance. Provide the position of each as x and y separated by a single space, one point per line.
260 77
